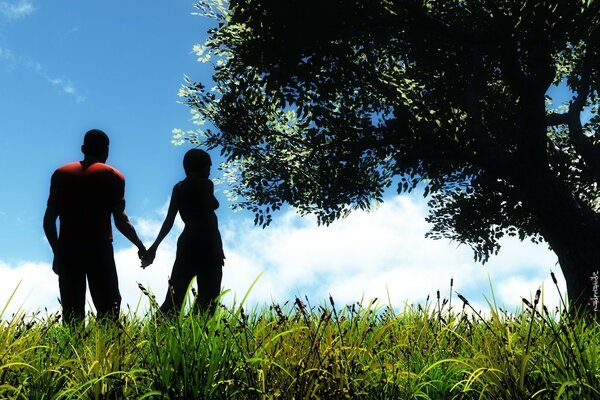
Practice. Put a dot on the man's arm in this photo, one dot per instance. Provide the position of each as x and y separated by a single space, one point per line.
124 226
50 217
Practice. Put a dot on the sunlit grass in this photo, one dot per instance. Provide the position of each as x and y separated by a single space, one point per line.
297 350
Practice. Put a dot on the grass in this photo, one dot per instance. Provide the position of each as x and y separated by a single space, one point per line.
300 351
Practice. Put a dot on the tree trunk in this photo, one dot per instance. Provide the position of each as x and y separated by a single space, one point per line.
572 230
581 269
569 225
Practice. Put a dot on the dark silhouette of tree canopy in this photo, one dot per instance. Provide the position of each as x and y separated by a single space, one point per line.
324 104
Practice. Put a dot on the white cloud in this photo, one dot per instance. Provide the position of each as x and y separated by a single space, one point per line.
34 285
367 255
375 255
16 10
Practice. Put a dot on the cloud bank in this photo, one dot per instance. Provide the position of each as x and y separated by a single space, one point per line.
382 254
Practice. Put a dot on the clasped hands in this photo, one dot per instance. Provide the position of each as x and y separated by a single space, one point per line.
147 255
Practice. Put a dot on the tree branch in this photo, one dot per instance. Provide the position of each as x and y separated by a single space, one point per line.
583 145
445 30
555 119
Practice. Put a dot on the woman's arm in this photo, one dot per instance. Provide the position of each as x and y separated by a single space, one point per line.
166 226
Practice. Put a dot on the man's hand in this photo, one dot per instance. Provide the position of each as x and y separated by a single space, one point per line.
143 255
57 262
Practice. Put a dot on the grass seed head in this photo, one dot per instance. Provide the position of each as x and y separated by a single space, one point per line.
536 300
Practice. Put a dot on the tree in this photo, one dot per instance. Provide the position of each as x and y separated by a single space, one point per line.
323 104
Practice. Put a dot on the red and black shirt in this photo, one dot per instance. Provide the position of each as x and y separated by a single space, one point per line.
85 199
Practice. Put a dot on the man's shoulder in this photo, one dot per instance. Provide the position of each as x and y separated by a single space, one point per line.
70 168
76 168
106 169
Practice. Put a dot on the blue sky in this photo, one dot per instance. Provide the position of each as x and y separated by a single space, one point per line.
66 67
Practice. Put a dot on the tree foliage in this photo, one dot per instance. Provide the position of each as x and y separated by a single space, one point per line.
324 104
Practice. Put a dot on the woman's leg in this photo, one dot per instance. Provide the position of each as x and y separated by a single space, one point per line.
209 287
180 279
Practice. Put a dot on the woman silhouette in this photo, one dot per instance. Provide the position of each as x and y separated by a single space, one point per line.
199 247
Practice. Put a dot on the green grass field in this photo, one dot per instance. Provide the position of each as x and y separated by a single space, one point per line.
445 350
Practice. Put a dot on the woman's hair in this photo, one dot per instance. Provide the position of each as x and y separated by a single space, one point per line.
196 160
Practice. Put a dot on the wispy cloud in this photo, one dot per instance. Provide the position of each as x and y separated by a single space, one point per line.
16 10
381 255
63 85
7 57
67 87
11 60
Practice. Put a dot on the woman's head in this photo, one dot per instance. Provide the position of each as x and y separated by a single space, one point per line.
197 162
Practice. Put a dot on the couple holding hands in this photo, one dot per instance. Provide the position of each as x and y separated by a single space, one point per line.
83 197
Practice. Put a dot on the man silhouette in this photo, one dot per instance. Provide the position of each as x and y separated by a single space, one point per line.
83 196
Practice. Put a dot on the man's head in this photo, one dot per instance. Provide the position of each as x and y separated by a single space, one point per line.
95 145
198 162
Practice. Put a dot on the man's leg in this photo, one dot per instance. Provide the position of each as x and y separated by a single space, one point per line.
103 281
71 283
72 295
